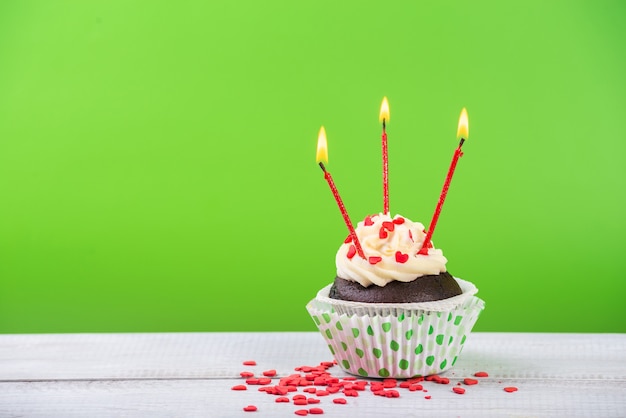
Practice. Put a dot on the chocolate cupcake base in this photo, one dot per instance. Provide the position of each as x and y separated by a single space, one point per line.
423 289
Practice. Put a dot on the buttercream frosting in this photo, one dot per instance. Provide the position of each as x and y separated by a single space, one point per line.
391 247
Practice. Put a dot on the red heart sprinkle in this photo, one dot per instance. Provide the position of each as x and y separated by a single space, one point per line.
316 411
250 408
375 260
313 400
399 220
341 401
348 239
351 252
239 387
458 389
510 389
351 392
246 374
249 363
470 382
302 412
382 234
269 373
390 383
388 226
282 399
300 402
481 374
427 397
401 258
368 221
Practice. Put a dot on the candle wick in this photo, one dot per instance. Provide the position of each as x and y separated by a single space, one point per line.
461 142
384 125
322 166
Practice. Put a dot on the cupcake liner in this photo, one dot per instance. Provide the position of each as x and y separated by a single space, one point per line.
400 340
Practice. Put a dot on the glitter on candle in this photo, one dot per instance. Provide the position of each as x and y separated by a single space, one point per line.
384 118
463 133
322 156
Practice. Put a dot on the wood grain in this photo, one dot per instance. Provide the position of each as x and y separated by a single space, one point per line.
188 375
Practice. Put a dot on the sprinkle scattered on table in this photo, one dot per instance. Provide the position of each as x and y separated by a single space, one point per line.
317 381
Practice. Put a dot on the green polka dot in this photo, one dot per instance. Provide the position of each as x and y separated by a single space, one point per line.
438 314
394 345
439 339
449 316
355 332
377 352
346 364
463 340
383 372
409 334
317 320
386 326
332 351
430 330
326 318
443 364
370 331
420 320
450 340
329 335
458 320
344 346
430 360
401 318
362 372
359 353
419 349
339 326
454 361
404 364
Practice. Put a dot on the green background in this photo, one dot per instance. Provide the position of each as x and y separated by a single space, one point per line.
157 158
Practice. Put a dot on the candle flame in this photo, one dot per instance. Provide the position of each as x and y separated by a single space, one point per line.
384 111
322 147
463 131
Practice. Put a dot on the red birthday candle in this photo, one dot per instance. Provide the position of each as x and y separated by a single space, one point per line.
463 134
322 156
384 118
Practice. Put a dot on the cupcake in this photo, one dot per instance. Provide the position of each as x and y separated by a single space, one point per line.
395 312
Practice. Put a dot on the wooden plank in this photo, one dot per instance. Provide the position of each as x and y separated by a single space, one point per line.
208 355
213 398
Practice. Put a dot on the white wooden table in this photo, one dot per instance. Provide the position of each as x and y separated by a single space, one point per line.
191 374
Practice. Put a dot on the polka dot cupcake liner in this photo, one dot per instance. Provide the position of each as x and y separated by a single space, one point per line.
398 341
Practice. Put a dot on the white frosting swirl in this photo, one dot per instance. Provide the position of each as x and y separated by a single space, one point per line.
397 242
